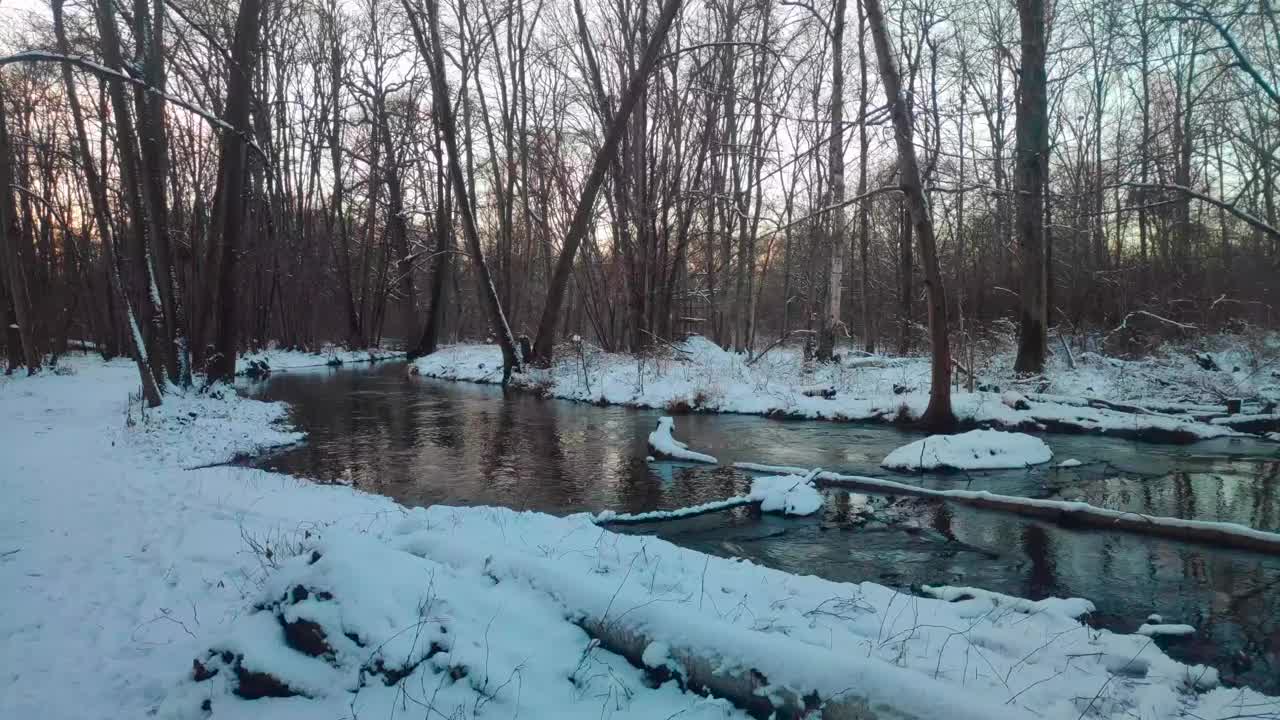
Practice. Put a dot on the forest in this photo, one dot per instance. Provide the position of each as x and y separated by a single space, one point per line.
185 181
640 359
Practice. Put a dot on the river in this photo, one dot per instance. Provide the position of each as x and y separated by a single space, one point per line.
423 441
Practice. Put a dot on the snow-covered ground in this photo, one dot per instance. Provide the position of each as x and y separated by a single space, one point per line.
698 375
276 359
119 569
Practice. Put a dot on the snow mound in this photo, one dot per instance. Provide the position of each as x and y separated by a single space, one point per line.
981 601
665 445
974 450
364 623
197 428
436 605
1015 400
1070 463
705 351
788 494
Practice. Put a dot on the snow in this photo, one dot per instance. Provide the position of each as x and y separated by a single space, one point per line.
120 568
279 359
198 428
658 655
974 450
609 516
1015 400
699 375
665 445
1169 629
1070 463
1235 419
785 494
1155 618
788 494
1064 607
758 467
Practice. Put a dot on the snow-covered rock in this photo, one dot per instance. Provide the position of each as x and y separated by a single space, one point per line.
665 445
1070 463
974 450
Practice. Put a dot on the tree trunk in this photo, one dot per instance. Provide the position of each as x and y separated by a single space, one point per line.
543 344
102 217
230 203
154 169
1032 128
441 270
16 279
864 205
433 53
355 333
140 279
835 276
938 416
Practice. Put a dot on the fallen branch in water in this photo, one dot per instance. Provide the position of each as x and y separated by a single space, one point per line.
1076 514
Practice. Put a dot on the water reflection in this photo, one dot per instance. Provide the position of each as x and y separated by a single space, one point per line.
1237 491
423 442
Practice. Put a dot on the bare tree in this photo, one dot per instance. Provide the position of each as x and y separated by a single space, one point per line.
544 342
433 52
938 415
1032 158
229 205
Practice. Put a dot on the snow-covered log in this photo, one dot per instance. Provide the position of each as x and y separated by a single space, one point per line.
1076 514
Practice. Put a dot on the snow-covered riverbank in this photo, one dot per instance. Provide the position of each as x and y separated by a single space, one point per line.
275 359
700 376
120 568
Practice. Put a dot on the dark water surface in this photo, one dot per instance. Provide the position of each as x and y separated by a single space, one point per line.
423 441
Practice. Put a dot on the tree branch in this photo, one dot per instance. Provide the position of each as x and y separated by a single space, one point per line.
107 73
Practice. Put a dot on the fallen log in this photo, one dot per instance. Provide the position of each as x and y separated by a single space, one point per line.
1076 514
748 690
1255 424
608 517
